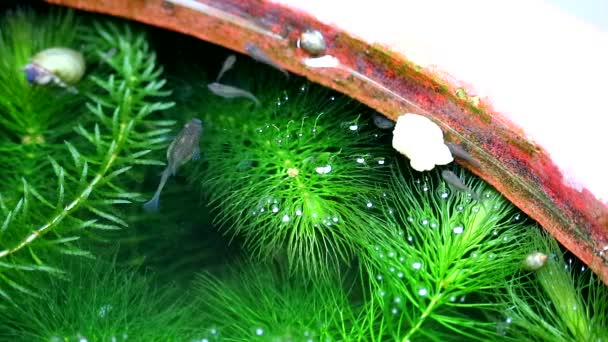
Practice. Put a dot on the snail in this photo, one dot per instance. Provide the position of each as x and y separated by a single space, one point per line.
58 65
312 41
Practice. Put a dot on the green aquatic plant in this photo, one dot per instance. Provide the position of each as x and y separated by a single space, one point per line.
174 243
442 260
99 302
67 180
302 180
262 302
295 175
557 302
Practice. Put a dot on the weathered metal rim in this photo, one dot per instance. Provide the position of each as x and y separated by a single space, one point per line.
387 82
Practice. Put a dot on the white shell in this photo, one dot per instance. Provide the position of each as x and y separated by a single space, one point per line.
535 261
66 64
421 140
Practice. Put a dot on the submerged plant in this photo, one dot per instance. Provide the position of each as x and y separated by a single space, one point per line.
261 302
443 256
67 159
557 302
295 175
99 302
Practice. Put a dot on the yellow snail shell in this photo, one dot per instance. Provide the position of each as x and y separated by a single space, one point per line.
58 65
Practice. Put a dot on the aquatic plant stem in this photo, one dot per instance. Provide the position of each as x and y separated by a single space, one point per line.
422 318
111 156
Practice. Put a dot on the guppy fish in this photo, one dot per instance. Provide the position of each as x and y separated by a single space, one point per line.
230 92
256 53
183 148
451 178
228 64
458 152
383 122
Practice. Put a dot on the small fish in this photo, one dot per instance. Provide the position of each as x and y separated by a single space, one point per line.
451 178
458 152
256 53
230 92
183 148
228 64
383 122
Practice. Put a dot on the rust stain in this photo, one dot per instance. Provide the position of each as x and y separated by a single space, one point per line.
387 82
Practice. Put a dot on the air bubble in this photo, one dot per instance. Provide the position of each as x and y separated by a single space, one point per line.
397 300
275 209
360 160
353 127
394 311
381 162
379 277
410 238
459 208
400 275
417 265
285 218
391 254
335 219
458 230
410 219
259 331
423 292
298 212
323 169
369 204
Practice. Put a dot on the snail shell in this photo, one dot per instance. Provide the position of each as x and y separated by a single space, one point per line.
58 65
312 41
